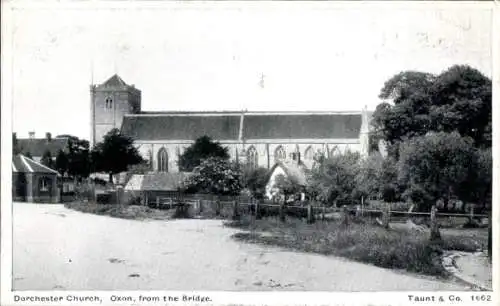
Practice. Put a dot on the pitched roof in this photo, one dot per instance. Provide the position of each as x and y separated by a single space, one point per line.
181 127
302 126
114 81
38 146
297 173
23 164
256 125
162 181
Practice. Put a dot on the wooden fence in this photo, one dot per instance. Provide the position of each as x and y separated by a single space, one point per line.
238 206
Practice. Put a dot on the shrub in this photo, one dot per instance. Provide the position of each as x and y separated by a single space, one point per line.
362 242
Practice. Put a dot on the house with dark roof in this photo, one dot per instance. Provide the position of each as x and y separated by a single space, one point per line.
260 139
33 182
36 147
292 170
152 185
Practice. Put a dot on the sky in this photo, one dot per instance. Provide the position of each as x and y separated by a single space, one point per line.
205 56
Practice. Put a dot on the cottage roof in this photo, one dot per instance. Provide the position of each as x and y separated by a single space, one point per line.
23 164
162 181
252 125
297 173
38 146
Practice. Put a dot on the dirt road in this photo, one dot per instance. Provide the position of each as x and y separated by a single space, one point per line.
57 248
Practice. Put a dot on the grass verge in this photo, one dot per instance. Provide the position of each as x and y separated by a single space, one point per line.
364 242
122 211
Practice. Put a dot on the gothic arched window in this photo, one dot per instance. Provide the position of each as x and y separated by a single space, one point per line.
252 158
109 103
162 160
309 154
334 151
279 154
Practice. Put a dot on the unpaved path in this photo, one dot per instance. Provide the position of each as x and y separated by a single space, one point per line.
57 248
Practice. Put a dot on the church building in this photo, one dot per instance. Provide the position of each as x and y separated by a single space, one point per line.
259 139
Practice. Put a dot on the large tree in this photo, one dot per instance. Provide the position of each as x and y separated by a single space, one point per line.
62 163
203 148
114 154
334 179
78 157
377 177
459 99
255 180
436 166
47 159
217 176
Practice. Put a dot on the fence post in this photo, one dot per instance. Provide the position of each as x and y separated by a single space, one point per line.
362 205
490 227
358 212
200 206
236 214
471 214
157 202
282 211
217 206
435 235
345 216
310 213
257 214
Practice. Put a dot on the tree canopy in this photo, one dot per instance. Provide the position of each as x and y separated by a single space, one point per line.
203 148
436 166
255 179
333 179
217 176
47 159
458 99
114 154
62 163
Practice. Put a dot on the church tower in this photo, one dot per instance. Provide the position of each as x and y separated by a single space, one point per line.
110 101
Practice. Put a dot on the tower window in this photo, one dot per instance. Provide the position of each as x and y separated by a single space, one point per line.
109 103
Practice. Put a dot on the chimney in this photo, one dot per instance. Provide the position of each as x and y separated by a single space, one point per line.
48 136
296 158
32 135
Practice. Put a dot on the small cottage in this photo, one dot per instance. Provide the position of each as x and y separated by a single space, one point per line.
158 184
293 171
33 182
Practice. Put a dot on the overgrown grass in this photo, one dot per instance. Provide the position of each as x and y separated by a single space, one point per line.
120 211
364 242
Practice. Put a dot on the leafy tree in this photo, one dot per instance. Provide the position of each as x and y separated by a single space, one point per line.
114 154
435 166
203 148
377 176
334 179
47 159
78 157
461 100
478 188
255 179
217 176
457 99
287 186
62 162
